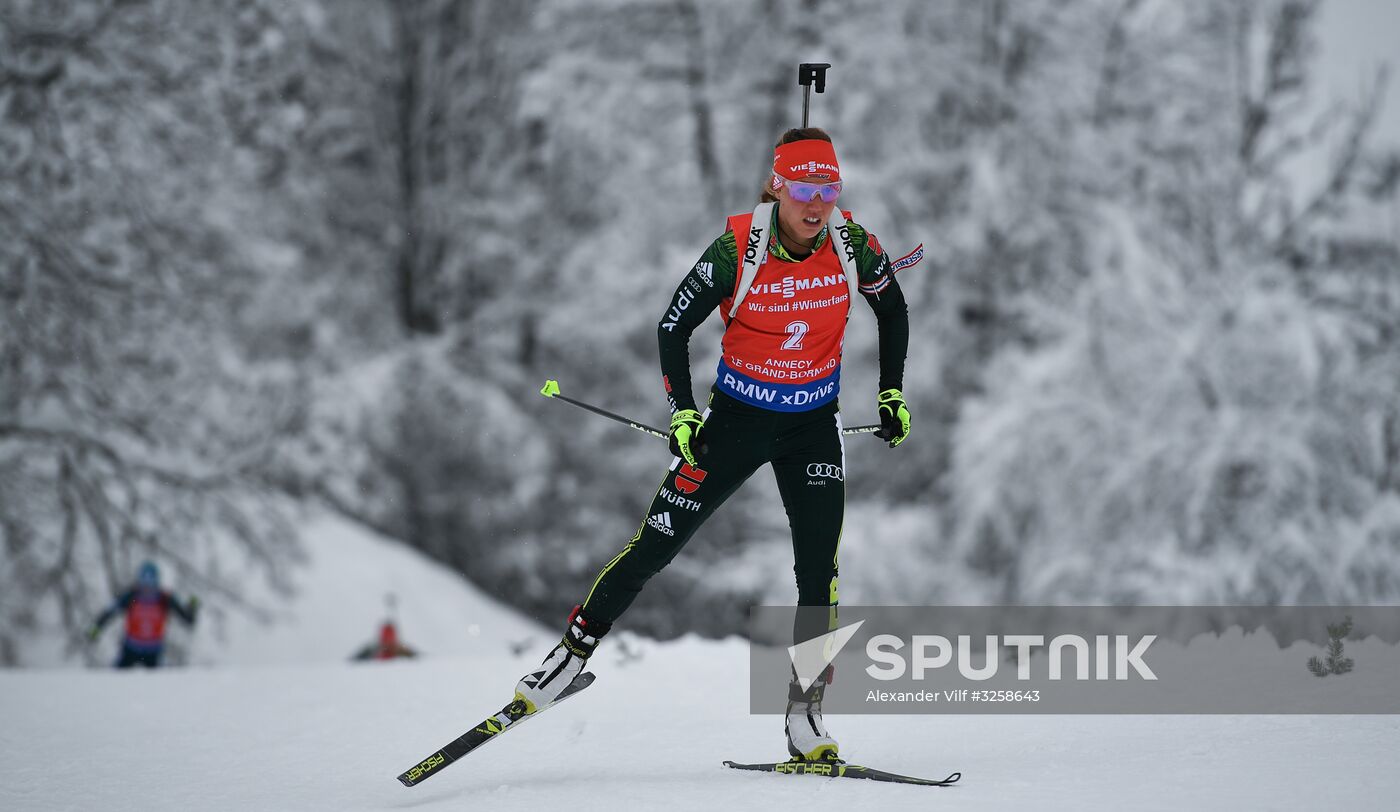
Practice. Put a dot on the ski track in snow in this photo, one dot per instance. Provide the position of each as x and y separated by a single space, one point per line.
262 731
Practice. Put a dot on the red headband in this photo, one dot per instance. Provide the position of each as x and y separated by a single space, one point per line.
811 160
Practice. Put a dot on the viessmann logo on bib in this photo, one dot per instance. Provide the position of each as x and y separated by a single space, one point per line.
790 286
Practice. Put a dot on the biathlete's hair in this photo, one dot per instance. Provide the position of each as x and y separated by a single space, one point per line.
796 134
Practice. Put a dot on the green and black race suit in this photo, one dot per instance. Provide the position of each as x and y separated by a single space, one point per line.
804 448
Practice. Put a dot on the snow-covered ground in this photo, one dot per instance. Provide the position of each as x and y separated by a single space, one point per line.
341 602
283 723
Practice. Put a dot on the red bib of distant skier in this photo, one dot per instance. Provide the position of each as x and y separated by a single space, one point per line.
782 349
145 619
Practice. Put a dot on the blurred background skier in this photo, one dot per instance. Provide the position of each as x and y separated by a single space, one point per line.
388 647
784 278
147 608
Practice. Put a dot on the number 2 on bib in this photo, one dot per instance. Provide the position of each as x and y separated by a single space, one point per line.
795 330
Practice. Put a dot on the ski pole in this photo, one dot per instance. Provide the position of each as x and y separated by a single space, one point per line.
551 390
807 73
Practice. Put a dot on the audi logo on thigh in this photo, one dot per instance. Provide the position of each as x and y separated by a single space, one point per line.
823 469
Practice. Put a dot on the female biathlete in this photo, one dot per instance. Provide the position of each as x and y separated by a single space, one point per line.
780 277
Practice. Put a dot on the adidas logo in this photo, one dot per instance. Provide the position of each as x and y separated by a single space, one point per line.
706 271
662 522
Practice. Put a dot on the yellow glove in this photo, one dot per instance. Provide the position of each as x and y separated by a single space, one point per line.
685 434
894 417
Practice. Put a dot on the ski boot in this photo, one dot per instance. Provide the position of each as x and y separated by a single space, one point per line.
543 685
807 736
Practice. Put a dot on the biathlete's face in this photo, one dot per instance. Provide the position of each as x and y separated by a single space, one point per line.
803 207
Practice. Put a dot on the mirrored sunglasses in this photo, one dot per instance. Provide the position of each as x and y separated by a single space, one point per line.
807 192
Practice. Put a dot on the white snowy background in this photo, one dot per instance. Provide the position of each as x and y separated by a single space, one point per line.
279 282
278 720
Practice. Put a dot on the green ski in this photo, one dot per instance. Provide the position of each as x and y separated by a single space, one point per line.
489 729
840 769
